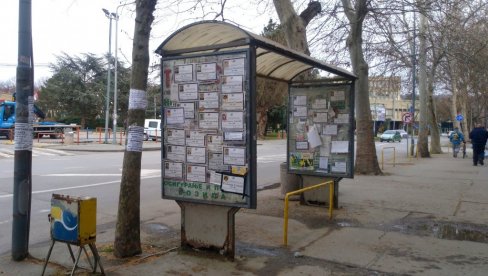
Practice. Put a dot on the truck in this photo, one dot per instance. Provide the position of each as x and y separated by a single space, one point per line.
152 129
41 128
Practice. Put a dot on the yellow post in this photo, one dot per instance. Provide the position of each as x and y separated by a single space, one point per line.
287 197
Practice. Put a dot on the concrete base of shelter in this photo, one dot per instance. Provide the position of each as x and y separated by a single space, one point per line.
208 227
319 196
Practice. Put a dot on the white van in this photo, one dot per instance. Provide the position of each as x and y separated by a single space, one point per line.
152 129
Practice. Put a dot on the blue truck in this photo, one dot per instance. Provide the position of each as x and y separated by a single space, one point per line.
41 128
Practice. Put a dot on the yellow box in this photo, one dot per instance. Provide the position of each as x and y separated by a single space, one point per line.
73 219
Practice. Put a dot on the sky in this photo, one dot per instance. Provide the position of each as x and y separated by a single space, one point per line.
80 26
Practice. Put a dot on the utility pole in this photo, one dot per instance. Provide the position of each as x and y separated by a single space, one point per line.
23 135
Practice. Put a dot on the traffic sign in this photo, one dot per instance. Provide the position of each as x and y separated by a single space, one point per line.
459 117
407 117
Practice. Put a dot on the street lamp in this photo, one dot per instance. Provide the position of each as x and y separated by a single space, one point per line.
114 140
110 16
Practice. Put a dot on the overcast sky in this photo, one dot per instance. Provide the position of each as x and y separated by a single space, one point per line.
80 26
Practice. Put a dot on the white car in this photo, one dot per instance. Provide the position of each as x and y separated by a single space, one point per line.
403 133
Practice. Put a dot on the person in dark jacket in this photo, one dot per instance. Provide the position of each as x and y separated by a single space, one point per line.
478 137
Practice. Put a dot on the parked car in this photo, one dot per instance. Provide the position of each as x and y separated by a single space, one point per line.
391 136
403 133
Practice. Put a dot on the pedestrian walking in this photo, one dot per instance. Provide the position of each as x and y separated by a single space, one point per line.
456 138
478 137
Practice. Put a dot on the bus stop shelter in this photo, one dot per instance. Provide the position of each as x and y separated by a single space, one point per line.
208 80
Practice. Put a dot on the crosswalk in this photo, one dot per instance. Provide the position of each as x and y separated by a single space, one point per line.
9 152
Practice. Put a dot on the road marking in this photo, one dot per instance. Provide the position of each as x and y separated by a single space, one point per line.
36 152
57 152
271 158
82 174
144 173
5 221
76 187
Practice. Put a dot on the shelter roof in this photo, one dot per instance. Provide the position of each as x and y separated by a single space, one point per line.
273 60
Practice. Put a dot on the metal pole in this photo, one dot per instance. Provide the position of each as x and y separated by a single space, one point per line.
23 135
116 17
107 98
412 146
114 141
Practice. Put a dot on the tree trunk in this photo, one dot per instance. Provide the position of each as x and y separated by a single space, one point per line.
127 234
435 136
262 122
293 25
423 140
366 159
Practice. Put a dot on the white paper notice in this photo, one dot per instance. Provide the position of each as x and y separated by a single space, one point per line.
207 71
329 130
183 73
233 184
232 120
196 173
173 170
189 110
323 163
208 100
195 138
299 100
234 66
23 136
342 119
319 104
232 84
135 136
176 153
214 177
137 99
196 155
234 136
235 156
174 116
216 162
209 120
233 101
175 136
214 143
188 92
301 145
300 111
338 96
314 137
320 117
340 147
325 148
339 167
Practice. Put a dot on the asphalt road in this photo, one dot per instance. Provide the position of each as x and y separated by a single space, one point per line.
97 175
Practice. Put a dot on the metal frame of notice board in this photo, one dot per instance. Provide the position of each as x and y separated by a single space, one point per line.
321 128
208 142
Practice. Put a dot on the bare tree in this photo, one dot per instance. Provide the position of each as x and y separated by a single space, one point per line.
366 159
127 234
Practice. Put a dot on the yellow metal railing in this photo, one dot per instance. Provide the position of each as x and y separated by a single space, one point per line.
287 197
382 155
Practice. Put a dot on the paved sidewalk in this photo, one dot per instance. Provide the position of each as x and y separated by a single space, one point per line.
423 217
